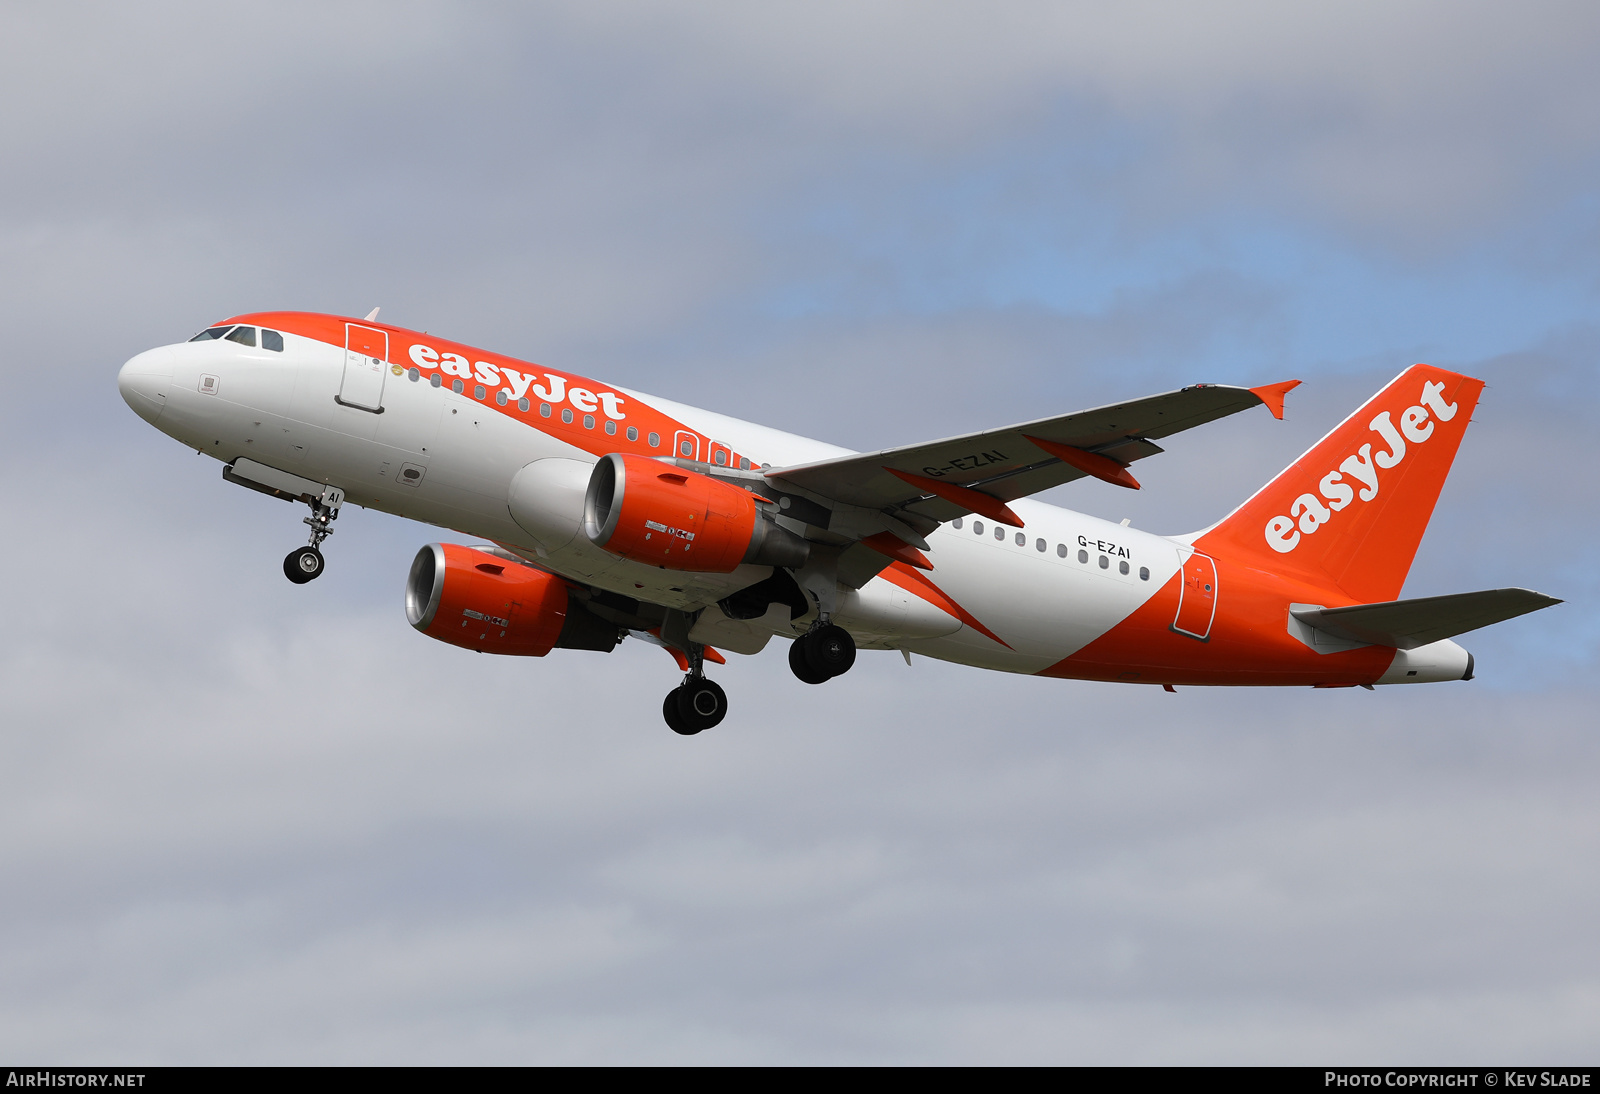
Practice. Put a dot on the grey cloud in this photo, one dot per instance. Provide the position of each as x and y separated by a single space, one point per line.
325 839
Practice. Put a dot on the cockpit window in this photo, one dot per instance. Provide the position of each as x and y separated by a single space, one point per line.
245 336
210 333
271 339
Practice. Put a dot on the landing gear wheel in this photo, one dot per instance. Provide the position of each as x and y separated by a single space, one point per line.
832 650
303 564
800 664
822 654
701 703
669 711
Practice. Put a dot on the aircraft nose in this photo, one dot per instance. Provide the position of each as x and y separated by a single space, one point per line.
143 382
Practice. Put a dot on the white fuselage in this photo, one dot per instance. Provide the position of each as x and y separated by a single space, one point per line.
464 458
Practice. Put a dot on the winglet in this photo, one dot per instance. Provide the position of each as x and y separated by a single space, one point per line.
973 500
1090 463
1272 395
373 314
887 543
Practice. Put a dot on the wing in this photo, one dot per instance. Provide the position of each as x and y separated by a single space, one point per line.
979 472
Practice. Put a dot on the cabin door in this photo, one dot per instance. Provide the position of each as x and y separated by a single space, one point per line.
1197 596
366 355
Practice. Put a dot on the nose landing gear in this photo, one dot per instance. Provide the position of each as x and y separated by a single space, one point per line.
306 563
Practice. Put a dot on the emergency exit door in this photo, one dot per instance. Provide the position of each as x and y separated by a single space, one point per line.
1197 597
366 356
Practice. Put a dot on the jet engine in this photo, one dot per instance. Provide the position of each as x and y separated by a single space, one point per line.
649 511
483 602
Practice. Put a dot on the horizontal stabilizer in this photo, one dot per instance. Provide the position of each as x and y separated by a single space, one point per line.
1407 624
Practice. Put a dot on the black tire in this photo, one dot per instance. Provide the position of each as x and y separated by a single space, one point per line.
669 711
829 651
800 664
701 704
303 564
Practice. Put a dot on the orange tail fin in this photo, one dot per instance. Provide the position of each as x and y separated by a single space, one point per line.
1351 511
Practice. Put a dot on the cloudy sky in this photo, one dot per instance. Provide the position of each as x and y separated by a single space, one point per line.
243 821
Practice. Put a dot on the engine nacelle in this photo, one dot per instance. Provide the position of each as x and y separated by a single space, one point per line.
482 602
649 511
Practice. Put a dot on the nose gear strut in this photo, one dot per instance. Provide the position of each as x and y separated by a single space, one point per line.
306 563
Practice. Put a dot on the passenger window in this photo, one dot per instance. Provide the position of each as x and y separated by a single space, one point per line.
523 405
1000 534
633 433
611 428
1061 550
412 374
477 391
956 524
544 410
654 440
1144 573
271 339
1022 540
245 336
501 398
744 464
686 448
566 415
208 335
721 458
456 385
1122 567
1040 545
1105 563
435 379
977 527
1083 556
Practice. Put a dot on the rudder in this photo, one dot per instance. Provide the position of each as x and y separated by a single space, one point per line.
1352 510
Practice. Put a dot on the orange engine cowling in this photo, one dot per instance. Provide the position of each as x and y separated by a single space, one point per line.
655 512
477 600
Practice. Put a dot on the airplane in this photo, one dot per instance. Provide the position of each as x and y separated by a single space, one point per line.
610 513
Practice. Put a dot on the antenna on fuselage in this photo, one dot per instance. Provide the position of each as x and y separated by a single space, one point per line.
373 314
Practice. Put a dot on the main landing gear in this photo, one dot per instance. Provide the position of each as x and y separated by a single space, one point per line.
306 563
822 653
697 703
693 705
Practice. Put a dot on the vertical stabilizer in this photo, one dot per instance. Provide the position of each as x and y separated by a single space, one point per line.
1352 510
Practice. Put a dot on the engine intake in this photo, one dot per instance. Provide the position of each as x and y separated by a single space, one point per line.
482 602
649 511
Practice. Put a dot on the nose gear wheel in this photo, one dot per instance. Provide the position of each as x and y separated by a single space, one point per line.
303 564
